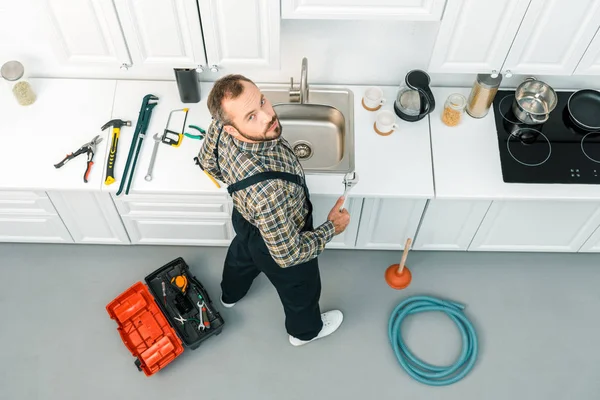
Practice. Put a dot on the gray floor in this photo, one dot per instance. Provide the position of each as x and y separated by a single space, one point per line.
537 317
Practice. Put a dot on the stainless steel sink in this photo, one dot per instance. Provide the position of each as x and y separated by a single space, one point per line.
320 130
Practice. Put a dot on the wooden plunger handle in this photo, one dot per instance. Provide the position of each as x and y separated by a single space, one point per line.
404 255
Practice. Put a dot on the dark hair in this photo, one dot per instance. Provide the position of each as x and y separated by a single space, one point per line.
226 87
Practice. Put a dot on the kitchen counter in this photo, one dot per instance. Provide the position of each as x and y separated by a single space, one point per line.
66 114
466 162
398 165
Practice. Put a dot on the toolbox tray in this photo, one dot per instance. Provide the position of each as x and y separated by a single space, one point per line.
154 281
149 330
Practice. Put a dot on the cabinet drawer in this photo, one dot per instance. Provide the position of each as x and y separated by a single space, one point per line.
16 202
33 228
174 205
178 231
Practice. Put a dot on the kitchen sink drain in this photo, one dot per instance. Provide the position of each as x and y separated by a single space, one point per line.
303 150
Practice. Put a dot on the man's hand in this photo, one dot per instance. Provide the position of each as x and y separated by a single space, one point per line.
340 219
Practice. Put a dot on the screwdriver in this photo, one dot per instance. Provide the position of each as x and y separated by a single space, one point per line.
164 288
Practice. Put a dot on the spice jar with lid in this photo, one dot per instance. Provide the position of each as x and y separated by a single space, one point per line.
13 73
454 108
482 94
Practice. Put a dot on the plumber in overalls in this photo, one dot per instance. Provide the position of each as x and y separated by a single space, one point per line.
272 213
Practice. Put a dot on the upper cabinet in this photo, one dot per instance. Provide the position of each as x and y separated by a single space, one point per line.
475 35
85 32
516 37
150 38
553 37
241 33
409 10
162 34
590 62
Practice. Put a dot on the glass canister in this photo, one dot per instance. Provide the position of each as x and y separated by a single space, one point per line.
13 72
482 94
454 108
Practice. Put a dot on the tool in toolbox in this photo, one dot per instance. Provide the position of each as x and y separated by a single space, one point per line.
350 180
157 141
136 143
204 322
90 149
112 156
155 333
181 282
172 137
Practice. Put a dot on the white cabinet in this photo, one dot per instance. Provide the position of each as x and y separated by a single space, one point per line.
241 33
415 10
450 224
162 34
322 205
543 225
592 245
176 219
475 35
553 37
27 216
85 32
386 223
590 62
90 217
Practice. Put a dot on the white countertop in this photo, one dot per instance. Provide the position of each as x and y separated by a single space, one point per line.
398 165
66 114
466 162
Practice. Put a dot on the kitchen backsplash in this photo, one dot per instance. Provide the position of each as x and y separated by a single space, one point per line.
338 52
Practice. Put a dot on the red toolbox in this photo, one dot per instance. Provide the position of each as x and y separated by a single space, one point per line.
156 325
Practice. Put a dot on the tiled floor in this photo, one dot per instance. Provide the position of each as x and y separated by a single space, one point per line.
537 318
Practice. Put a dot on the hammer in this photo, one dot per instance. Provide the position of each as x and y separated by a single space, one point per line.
116 124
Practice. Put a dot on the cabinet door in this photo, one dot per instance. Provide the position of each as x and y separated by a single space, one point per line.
553 37
86 32
178 231
162 35
420 10
450 224
322 205
241 33
90 217
551 226
590 62
33 228
475 35
387 223
592 245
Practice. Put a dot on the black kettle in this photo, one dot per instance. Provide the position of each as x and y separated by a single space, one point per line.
415 100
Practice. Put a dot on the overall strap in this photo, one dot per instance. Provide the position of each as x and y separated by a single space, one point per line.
263 176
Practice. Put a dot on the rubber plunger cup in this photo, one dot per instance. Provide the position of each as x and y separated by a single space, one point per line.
398 276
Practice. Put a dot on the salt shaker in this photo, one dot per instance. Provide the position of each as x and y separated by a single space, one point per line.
13 73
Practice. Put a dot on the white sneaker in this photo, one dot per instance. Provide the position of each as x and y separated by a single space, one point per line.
331 321
226 305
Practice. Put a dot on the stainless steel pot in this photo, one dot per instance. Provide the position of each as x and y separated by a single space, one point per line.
534 101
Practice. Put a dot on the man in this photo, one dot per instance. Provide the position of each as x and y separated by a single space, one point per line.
272 213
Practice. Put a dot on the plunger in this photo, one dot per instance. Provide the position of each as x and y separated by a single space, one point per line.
398 276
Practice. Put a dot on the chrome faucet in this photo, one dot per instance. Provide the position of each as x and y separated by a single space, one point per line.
300 95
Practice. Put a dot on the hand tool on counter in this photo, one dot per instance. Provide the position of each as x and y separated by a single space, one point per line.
197 137
112 156
350 180
197 162
171 137
157 141
90 149
136 143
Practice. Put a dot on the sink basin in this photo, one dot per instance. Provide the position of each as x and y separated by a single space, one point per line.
320 131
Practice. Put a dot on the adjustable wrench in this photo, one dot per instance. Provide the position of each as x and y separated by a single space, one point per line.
350 180
157 140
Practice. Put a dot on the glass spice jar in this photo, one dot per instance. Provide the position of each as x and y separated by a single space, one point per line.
13 73
454 108
482 94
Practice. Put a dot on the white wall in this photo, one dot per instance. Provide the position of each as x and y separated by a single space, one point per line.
338 52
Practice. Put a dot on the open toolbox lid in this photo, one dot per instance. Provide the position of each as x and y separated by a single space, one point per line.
144 329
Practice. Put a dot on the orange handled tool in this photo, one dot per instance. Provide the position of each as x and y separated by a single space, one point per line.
88 148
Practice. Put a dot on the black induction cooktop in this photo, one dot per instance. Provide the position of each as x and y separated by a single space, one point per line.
556 151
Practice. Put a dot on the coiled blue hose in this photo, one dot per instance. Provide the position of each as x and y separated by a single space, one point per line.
421 371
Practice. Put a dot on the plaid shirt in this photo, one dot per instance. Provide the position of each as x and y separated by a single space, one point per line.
277 208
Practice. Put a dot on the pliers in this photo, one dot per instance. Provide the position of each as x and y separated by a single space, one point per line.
90 149
198 137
